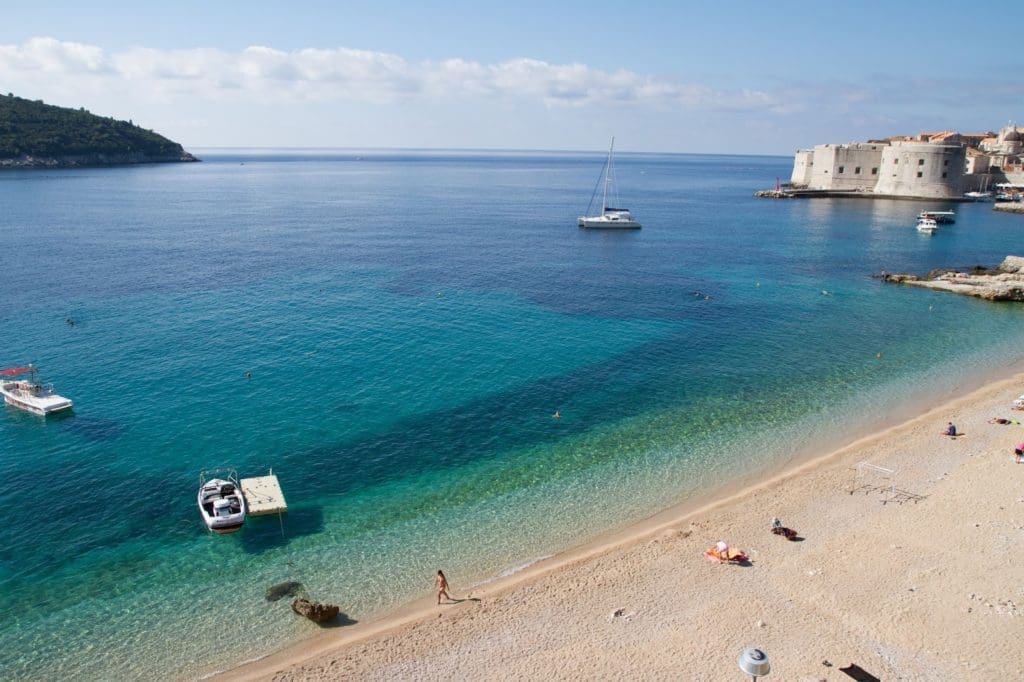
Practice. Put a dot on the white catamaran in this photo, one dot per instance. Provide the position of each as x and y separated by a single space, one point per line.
613 218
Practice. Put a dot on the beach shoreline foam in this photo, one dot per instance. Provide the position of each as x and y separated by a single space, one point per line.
895 587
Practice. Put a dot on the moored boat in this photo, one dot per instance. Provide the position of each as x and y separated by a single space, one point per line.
927 225
610 218
28 393
941 217
221 503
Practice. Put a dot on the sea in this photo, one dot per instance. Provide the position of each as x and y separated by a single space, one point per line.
392 333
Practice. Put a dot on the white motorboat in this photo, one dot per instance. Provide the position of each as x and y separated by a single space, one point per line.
29 394
941 217
610 218
927 225
979 196
221 503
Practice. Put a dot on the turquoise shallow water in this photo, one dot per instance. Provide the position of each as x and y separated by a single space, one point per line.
411 321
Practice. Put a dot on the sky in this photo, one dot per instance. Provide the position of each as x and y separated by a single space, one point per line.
690 77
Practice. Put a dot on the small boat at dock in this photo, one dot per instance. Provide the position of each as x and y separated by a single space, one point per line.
940 217
221 503
29 394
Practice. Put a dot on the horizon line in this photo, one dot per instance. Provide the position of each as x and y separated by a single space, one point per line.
490 150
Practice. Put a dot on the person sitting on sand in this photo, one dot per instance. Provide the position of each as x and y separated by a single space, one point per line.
1019 452
950 429
442 587
722 548
779 529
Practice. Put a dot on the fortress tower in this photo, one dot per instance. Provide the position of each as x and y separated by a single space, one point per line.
922 169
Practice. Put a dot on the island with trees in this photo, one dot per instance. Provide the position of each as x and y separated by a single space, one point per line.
38 135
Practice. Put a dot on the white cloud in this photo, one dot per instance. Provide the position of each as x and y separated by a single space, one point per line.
266 74
51 56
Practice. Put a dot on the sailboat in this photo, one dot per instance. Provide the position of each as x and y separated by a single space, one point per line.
610 218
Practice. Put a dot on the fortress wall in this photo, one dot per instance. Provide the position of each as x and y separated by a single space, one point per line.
803 163
919 169
846 166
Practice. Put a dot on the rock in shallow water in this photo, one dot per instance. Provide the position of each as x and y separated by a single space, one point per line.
316 612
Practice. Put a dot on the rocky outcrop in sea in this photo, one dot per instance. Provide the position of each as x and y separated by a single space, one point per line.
1003 283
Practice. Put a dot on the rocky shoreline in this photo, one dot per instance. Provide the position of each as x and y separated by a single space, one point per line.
1004 283
92 160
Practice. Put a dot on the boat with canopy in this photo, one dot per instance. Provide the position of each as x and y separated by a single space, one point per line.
28 393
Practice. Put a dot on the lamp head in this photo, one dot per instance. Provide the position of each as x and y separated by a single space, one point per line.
754 662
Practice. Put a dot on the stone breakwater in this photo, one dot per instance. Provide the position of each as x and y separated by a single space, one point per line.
1004 283
1009 207
86 160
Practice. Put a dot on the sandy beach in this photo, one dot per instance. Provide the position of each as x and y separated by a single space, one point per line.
919 577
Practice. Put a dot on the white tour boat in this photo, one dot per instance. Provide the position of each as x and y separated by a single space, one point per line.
610 218
927 225
221 503
979 196
941 217
29 394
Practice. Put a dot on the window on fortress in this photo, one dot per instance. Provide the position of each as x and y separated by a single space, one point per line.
920 162
945 162
944 175
895 161
919 173
841 169
874 171
856 171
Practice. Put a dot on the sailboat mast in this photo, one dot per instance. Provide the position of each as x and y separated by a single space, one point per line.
607 176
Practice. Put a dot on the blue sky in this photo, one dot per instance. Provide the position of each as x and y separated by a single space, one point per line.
739 77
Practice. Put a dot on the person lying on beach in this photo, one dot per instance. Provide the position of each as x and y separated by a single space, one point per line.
999 420
723 554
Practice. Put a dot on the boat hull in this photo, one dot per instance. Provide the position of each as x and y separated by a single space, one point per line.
42 408
224 530
602 223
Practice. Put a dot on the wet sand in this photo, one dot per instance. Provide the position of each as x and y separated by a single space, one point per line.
920 577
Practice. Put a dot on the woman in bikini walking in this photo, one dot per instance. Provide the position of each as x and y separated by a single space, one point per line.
442 587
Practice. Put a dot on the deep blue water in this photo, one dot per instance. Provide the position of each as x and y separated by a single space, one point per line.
411 320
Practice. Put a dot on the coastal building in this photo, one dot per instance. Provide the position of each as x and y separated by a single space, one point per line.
930 165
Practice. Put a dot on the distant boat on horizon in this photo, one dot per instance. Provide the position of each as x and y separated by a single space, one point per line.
611 217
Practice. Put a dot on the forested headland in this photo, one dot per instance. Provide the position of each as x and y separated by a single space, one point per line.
38 135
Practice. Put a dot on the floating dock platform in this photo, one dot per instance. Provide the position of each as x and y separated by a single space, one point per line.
263 495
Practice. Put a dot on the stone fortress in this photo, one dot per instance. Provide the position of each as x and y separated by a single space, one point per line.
926 166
